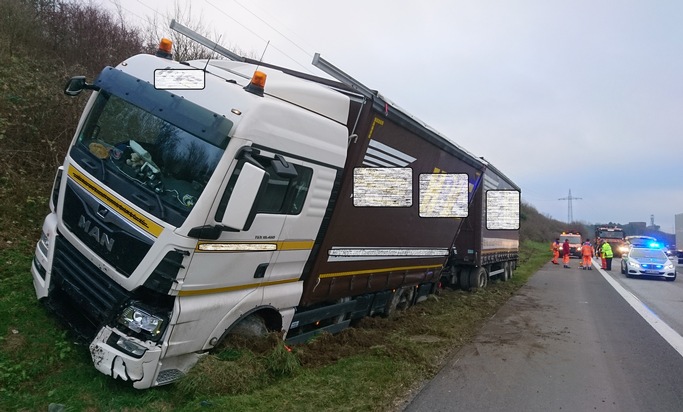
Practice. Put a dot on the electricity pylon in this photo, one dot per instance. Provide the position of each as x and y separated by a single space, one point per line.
570 212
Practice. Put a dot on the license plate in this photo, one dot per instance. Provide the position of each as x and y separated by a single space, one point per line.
652 272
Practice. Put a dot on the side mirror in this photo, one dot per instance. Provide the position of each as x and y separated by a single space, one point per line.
241 208
76 85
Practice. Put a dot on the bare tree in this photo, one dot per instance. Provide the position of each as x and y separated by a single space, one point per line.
17 25
183 48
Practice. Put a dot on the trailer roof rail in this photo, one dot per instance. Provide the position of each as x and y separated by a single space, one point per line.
338 74
193 35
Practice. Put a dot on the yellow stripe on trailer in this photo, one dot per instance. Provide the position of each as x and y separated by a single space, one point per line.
372 271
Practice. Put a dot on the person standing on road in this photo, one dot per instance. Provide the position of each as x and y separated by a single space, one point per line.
607 255
555 248
601 255
565 253
587 253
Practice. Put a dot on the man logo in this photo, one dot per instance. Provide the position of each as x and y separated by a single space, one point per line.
101 238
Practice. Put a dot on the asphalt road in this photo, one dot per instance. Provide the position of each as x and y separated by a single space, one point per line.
662 297
566 342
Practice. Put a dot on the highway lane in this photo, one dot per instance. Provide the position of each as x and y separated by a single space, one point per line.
567 341
663 298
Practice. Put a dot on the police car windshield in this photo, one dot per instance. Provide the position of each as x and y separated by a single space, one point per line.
640 253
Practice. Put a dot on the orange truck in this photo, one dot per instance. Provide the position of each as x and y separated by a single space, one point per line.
615 236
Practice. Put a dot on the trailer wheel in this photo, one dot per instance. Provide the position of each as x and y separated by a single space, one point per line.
449 277
479 278
464 278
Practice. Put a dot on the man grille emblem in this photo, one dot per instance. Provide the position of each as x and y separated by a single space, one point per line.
102 211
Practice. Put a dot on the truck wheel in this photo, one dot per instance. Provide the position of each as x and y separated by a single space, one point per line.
402 300
247 331
464 279
252 326
479 278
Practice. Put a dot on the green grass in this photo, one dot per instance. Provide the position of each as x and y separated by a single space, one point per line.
372 366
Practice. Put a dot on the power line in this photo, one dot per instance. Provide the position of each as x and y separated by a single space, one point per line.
569 199
258 36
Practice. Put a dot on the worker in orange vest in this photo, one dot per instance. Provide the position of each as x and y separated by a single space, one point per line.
566 250
555 248
601 253
587 252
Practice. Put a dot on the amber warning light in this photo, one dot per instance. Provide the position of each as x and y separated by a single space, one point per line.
257 84
165 49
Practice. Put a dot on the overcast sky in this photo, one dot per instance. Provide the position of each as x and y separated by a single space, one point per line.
580 95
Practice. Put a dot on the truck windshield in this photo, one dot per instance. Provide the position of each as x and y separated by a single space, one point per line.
124 145
611 234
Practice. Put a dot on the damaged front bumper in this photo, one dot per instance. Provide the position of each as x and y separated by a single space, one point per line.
126 358
130 359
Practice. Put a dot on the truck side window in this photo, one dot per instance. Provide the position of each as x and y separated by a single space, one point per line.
283 195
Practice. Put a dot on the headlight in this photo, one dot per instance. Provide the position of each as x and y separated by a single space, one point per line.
669 266
140 321
633 264
44 243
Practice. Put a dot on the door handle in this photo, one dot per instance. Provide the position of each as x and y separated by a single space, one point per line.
260 271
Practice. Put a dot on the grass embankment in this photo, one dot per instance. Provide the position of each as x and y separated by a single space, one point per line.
372 366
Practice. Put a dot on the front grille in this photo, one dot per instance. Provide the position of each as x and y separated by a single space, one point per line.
80 293
113 239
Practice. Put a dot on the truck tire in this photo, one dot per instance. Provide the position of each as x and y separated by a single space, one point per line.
248 330
479 278
252 326
402 300
464 278
449 277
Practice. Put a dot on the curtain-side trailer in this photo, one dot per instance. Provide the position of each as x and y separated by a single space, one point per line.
205 198
487 245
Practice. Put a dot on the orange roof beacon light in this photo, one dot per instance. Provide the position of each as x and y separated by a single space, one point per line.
165 49
257 84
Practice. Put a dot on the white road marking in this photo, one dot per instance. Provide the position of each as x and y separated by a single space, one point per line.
671 336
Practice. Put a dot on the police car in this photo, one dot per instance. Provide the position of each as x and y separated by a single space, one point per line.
648 261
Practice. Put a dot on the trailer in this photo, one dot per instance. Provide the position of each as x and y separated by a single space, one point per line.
487 244
207 198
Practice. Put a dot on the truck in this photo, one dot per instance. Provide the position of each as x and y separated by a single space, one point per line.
575 242
206 198
615 236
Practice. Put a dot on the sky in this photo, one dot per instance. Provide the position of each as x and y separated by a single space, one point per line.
564 96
